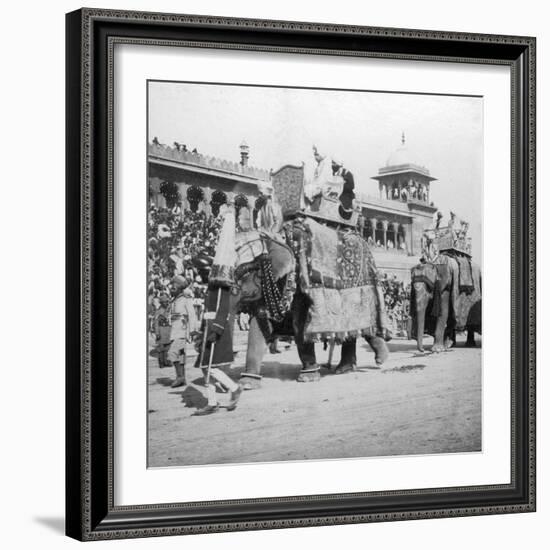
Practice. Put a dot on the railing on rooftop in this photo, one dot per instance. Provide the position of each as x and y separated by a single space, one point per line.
393 203
206 161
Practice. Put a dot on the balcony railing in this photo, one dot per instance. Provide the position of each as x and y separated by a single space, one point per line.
393 203
206 161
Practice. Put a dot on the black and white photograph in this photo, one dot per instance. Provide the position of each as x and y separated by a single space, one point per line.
314 273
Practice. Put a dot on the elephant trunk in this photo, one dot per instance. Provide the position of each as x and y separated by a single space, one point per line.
421 303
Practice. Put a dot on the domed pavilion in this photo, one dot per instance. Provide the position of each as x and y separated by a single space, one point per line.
403 178
396 219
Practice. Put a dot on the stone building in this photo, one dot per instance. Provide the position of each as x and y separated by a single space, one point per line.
202 183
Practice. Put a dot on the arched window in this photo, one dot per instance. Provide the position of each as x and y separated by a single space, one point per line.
401 242
171 194
260 201
240 201
370 229
194 196
242 214
379 234
391 237
395 190
218 198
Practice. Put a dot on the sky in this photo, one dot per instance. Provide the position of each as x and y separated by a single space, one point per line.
362 128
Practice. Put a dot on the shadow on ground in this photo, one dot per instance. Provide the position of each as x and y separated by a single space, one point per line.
164 381
274 369
405 368
192 397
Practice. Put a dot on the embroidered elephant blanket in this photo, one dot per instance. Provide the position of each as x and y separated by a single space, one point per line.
465 274
465 304
338 273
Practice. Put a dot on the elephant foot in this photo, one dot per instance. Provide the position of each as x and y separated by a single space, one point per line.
250 381
343 369
421 350
438 348
449 343
309 374
381 351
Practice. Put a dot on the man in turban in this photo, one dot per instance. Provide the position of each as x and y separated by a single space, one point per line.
184 322
345 209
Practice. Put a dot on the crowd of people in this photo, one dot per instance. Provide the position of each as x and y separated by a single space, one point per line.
178 146
396 297
179 243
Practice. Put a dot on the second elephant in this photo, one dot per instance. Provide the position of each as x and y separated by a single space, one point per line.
445 298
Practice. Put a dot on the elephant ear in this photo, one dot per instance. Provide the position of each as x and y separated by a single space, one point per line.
282 258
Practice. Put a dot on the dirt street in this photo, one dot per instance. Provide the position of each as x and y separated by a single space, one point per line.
414 404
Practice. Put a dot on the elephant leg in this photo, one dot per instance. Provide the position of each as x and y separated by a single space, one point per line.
348 360
257 346
380 348
422 299
439 344
310 369
306 350
470 341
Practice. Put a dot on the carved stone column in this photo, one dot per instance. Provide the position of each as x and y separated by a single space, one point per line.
385 228
373 222
183 192
230 197
205 203
407 235
395 227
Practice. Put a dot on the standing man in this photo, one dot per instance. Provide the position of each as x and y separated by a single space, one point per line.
347 195
163 330
184 321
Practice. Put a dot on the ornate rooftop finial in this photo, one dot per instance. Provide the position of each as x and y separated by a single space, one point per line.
402 138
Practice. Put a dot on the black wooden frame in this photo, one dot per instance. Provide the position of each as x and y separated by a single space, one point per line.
91 35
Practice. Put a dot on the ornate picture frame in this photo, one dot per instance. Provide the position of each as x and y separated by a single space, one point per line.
90 509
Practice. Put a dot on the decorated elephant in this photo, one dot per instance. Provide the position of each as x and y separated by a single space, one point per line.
445 298
314 283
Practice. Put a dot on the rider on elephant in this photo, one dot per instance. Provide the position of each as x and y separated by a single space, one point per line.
345 208
334 181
